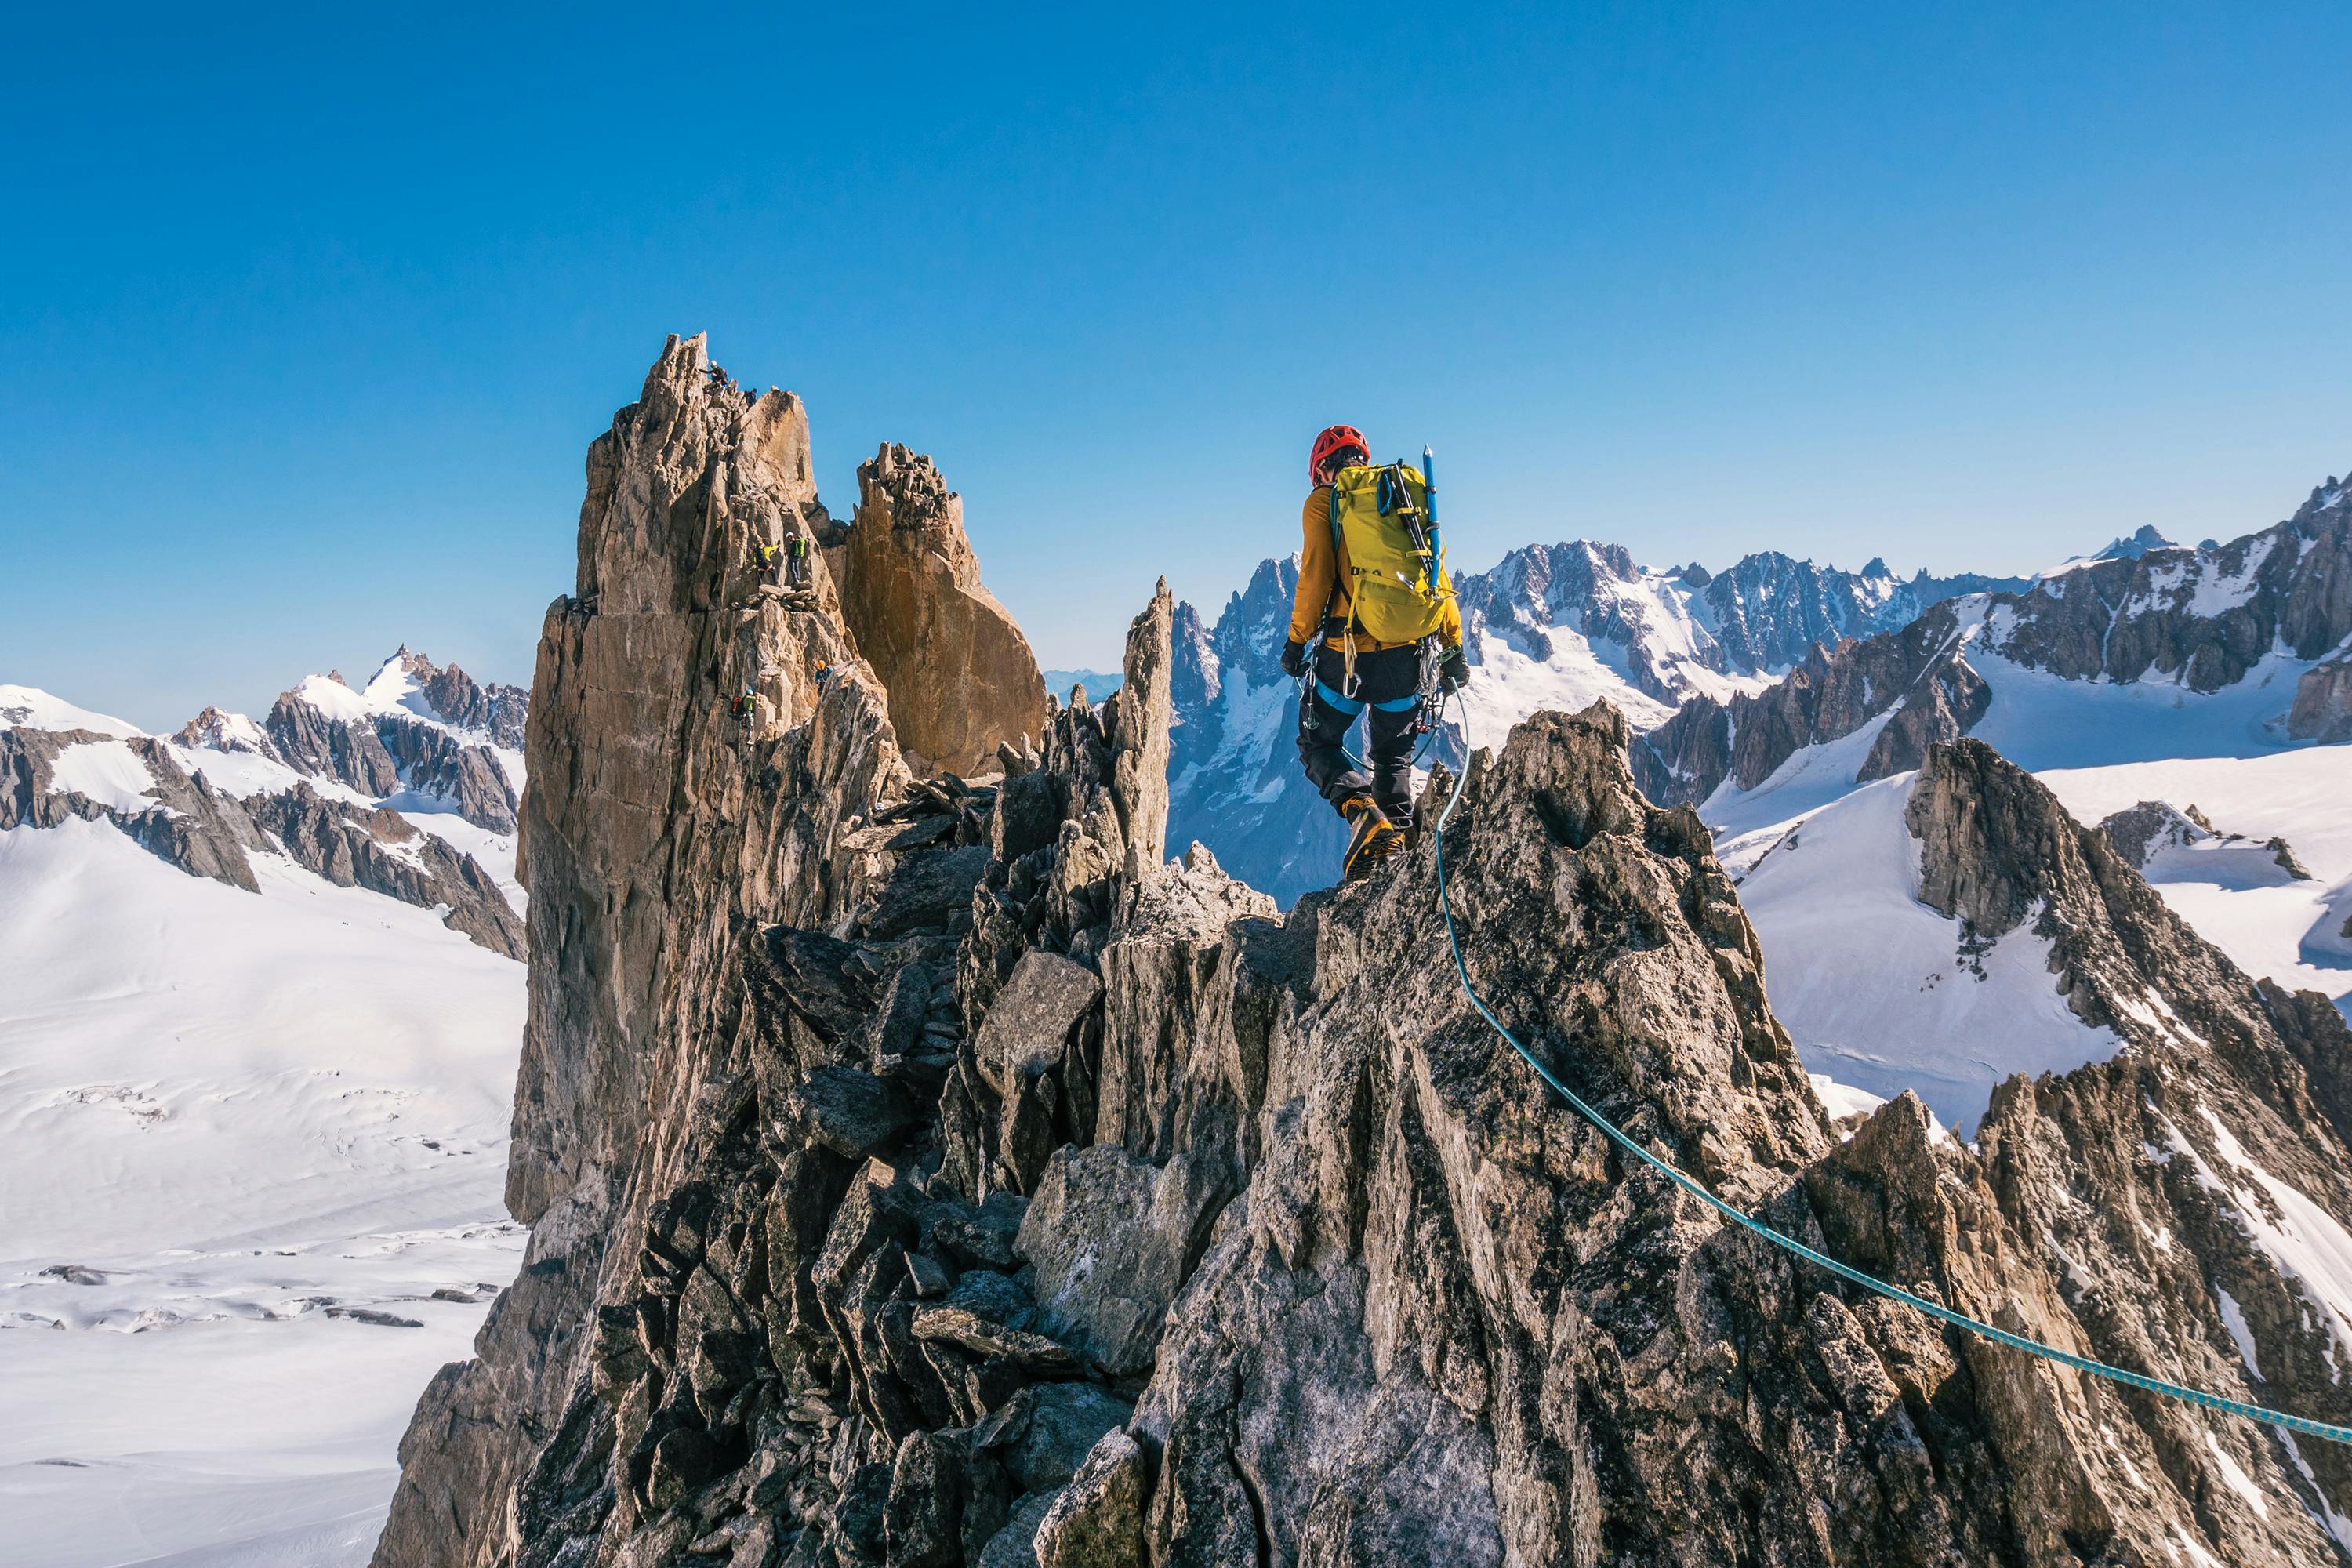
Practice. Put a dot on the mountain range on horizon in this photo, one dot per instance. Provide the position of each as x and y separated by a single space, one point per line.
958 1123
1561 625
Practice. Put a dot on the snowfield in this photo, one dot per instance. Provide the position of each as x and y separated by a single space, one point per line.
244 1141
108 772
2236 895
1811 778
1871 984
33 709
2041 720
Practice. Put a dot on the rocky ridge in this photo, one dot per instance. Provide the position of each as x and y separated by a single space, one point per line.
1770 612
177 814
2202 619
383 852
926 1171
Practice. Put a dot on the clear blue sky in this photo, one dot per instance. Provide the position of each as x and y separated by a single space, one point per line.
305 319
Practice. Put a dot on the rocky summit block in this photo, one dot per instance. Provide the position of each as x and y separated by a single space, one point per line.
1034 1018
961 676
1083 1210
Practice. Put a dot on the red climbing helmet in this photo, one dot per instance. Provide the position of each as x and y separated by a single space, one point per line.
1330 449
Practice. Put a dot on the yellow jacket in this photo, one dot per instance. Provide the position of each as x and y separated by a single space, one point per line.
1323 581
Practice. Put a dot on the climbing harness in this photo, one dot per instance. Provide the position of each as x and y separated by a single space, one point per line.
1352 706
1798 1249
1426 726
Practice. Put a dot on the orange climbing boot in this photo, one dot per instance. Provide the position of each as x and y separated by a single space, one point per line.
1374 838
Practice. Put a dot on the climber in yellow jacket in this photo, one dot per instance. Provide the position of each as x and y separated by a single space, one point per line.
1355 674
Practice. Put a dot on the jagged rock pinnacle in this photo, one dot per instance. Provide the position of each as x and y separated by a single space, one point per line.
960 676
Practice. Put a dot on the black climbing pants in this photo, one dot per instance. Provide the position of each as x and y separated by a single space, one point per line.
1389 676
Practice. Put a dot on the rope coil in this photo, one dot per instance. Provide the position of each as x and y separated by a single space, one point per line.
1790 1243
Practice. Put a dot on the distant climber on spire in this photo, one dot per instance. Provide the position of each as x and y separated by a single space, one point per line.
1374 595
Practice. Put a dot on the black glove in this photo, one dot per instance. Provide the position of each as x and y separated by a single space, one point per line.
1453 669
1294 658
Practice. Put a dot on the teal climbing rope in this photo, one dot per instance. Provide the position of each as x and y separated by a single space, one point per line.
1960 1321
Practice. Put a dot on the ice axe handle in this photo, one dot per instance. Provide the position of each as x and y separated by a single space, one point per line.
1429 502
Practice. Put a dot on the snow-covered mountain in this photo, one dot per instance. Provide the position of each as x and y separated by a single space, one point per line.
2227 650
2186 705
413 730
1549 627
256 1055
2130 547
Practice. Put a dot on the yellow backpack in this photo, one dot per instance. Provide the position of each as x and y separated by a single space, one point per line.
1386 518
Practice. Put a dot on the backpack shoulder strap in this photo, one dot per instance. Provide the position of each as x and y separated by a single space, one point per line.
1338 545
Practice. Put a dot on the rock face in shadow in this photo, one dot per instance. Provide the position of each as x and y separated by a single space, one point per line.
432 761
2322 703
960 673
313 742
380 850
496 710
928 1171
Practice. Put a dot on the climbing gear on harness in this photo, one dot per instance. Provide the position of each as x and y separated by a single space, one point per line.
1294 660
1382 524
1374 839
1330 448
1347 679
1790 1245
1425 724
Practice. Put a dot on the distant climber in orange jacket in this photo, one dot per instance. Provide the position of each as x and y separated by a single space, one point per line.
1387 676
